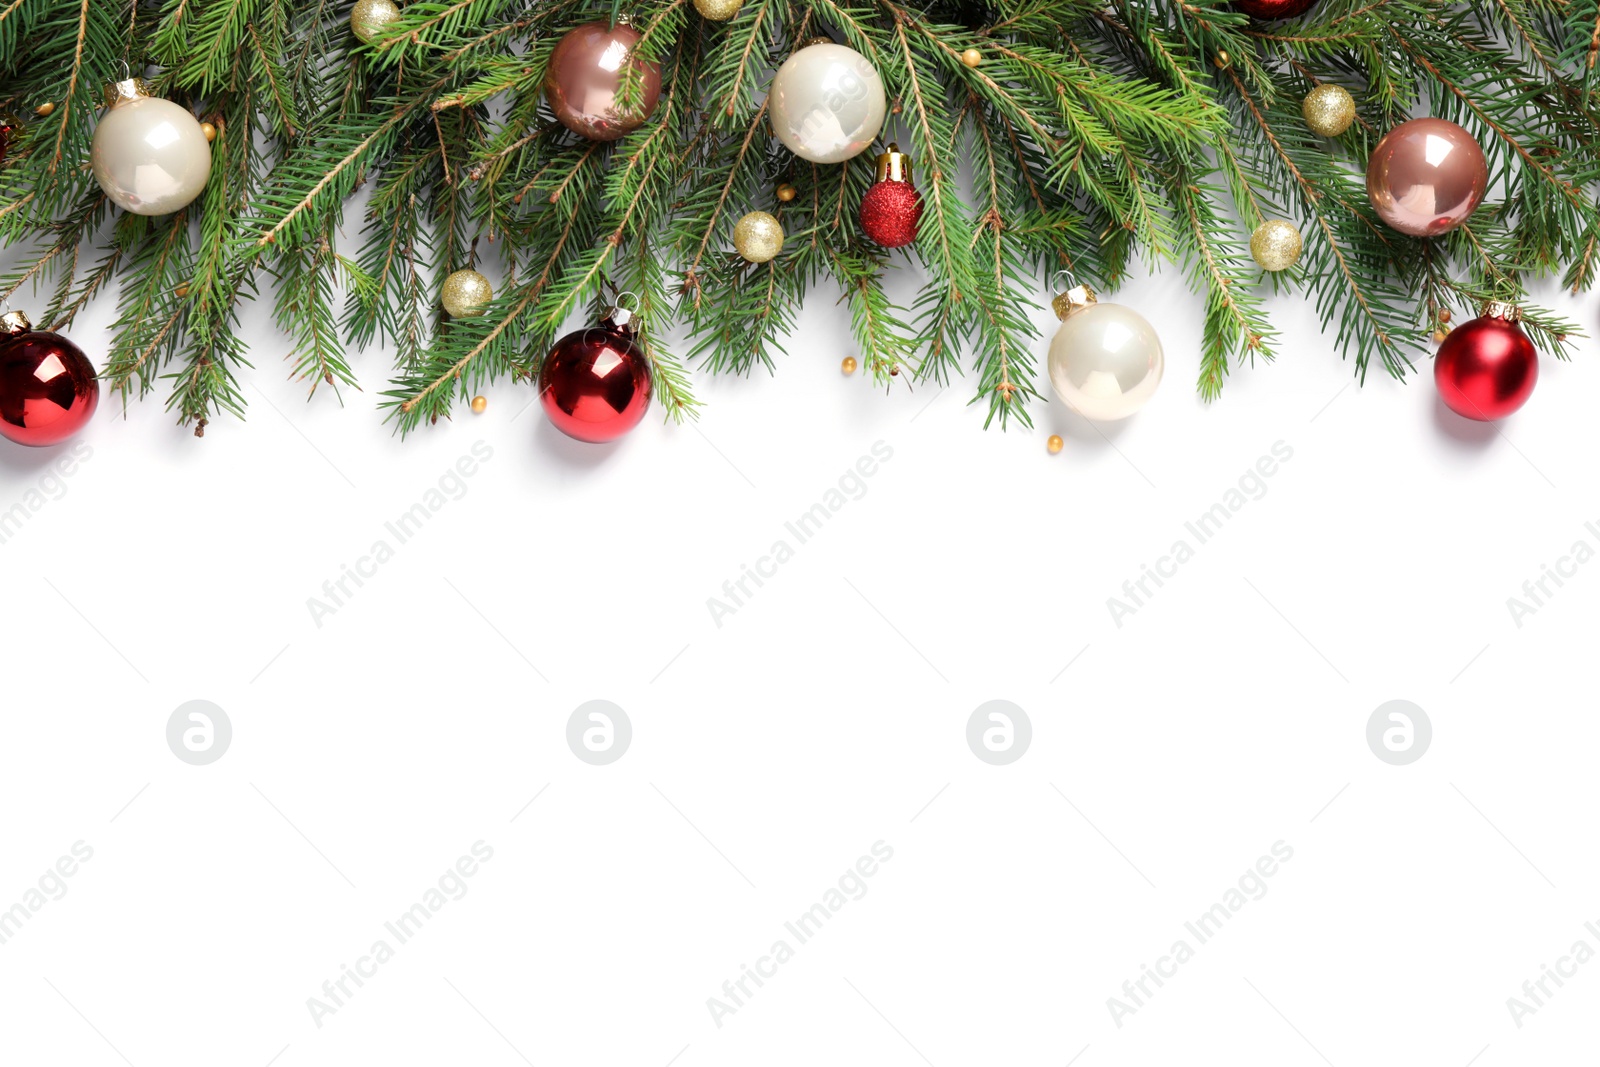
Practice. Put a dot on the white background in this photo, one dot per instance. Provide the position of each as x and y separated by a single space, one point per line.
827 714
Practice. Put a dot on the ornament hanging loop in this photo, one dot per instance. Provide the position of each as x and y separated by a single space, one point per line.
624 308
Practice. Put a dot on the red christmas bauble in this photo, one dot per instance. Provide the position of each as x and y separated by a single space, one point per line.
595 383
892 207
7 129
1268 10
48 390
890 212
1486 369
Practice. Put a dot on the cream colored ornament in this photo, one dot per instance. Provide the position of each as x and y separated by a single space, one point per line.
1105 359
758 237
718 10
827 103
1275 245
148 154
1328 109
370 18
466 293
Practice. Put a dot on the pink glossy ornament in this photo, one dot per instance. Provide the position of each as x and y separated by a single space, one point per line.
595 383
584 80
1426 177
48 390
1267 10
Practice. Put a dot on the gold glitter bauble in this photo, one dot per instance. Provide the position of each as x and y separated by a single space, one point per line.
718 10
848 365
1329 110
972 57
1055 444
1275 245
369 18
466 292
758 237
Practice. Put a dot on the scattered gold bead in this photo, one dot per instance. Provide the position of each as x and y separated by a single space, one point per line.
1222 59
1444 314
45 108
849 365
1275 245
209 130
182 290
478 404
787 192
972 57
1055 444
1328 109
1438 336
894 372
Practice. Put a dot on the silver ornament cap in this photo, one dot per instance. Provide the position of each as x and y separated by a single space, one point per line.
466 293
827 103
148 154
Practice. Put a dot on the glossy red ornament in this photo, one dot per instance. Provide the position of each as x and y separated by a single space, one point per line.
595 383
8 130
48 390
1267 10
892 207
1486 369
584 80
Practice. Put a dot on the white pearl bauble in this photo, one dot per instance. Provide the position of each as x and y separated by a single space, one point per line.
827 103
1105 361
150 156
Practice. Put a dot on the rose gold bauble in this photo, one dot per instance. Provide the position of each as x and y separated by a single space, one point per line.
584 80
1426 176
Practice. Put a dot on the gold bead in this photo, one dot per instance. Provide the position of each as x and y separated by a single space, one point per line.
1439 336
1222 59
787 192
718 10
478 404
1444 314
181 291
370 18
44 109
758 237
849 365
466 293
1055 444
894 371
1328 109
1275 245
209 130
972 57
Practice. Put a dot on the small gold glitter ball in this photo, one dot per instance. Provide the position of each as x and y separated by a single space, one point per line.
1055 444
44 109
466 292
478 404
209 130
1275 245
718 10
849 365
1222 59
369 18
972 57
1329 110
758 237
787 192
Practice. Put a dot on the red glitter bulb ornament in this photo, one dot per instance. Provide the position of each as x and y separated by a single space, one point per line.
48 390
892 207
1268 10
1486 369
595 383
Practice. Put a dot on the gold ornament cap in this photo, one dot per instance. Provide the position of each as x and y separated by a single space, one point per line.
1073 300
14 322
818 39
120 92
1500 309
894 165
